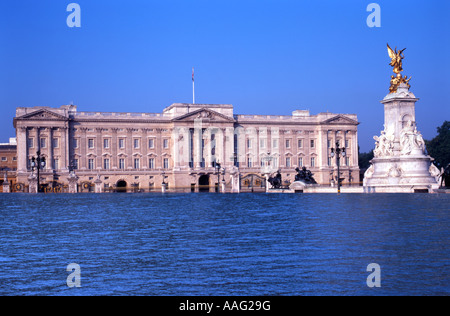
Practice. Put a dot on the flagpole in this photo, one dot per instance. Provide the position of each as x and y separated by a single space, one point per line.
193 87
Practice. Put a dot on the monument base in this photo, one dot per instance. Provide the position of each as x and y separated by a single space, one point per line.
403 174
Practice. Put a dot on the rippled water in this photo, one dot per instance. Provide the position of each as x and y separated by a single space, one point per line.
214 244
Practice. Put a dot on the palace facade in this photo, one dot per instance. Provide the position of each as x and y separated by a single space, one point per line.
183 147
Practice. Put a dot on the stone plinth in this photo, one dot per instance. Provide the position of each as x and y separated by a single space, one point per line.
235 179
401 163
73 183
98 185
33 184
6 187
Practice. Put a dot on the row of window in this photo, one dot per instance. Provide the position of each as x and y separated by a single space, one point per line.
43 142
91 143
288 143
122 143
107 163
151 143
300 162
4 159
274 162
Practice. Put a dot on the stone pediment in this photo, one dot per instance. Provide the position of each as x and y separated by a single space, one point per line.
206 115
42 114
340 119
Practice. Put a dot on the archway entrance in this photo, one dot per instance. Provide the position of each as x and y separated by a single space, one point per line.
203 183
121 186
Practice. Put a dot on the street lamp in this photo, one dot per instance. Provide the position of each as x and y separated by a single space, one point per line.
338 152
72 167
38 163
218 166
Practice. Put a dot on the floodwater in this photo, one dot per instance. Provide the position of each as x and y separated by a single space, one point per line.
224 244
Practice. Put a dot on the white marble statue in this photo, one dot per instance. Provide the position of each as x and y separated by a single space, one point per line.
384 145
411 139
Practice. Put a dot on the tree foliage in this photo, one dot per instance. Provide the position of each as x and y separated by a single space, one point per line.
439 147
364 159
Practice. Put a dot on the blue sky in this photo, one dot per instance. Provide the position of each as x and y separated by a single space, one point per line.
264 57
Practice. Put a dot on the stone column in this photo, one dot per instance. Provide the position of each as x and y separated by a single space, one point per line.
114 148
355 148
186 151
83 148
144 148
208 143
221 147
22 149
50 149
129 148
65 149
176 148
197 147
99 148
159 149
227 148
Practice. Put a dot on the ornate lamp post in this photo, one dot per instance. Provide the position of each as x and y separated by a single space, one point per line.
73 178
338 152
38 163
163 184
218 167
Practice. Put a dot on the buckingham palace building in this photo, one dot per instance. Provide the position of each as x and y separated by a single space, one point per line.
186 148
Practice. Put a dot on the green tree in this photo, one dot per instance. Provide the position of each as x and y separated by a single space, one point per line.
364 159
439 147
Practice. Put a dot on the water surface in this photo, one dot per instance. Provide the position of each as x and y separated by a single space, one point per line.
215 244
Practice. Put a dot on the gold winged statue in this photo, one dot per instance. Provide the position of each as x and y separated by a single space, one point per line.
397 64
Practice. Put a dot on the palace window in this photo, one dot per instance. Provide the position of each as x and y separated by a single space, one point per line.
30 142
136 143
166 163
55 142
288 162
151 163
249 162
121 143
56 163
313 143
121 163
288 143
275 143
166 143
313 161
106 143
151 143
90 143
137 163
300 143
75 143
300 161
262 143
43 143
106 164
91 165
347 143
75 164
